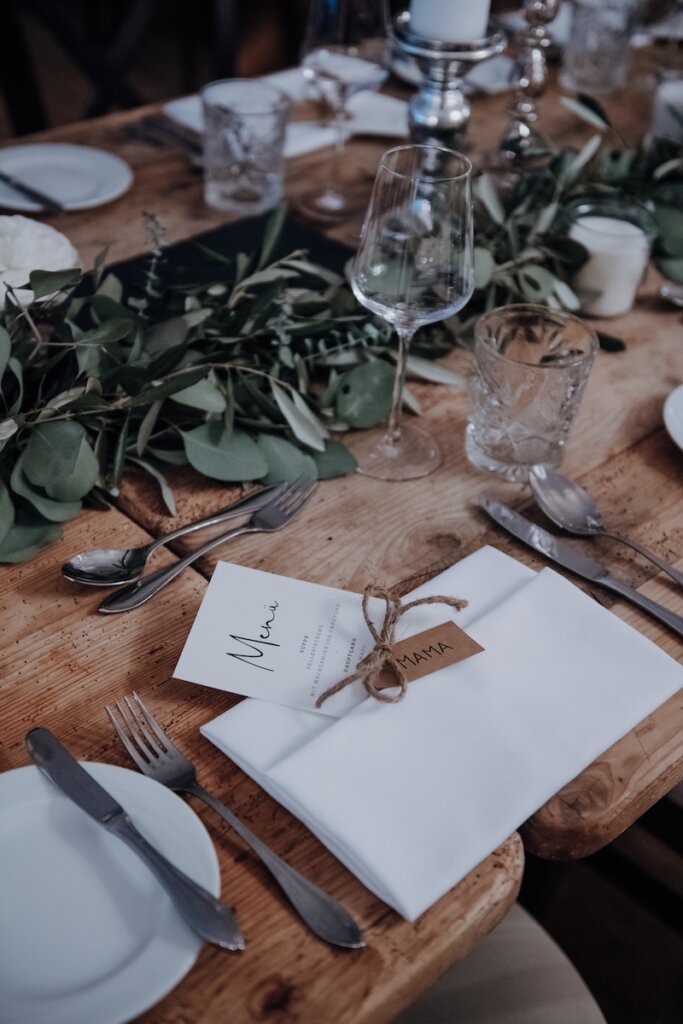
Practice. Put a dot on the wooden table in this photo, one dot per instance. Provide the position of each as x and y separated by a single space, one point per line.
62 662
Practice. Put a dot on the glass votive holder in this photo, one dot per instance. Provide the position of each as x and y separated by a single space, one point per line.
244 135
618 235
597 54
531 368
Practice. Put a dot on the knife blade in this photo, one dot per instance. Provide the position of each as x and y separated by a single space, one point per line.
207 916
576 561
47 203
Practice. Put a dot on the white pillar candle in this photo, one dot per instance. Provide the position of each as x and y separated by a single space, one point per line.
452 21
669 97
619 253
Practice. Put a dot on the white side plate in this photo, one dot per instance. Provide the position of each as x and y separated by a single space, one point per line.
78 177
673 416
87 933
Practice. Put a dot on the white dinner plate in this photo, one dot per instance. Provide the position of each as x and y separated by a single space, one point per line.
673 416
78 177
87 934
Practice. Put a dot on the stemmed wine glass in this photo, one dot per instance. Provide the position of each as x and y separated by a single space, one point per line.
414 266
345 51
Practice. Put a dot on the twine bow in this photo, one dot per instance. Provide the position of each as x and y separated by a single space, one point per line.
382 656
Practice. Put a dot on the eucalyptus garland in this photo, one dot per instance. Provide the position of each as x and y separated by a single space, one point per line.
523 253
248 377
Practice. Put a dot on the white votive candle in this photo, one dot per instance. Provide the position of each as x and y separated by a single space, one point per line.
669 97
452 21
619 252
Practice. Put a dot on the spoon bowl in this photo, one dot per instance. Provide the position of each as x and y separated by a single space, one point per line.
565 502
572 509
111 567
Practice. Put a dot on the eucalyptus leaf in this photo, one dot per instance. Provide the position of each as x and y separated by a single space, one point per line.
146 427
230 456
336 460
671 269
486 191
23 541
203 395
5 350
437 373
48 508
52 451
566 295
156 474
670 226
47 282
587 111
80 480
112 287
109 331
484 266
271 235
286 462
364 393
536 283
302 426
6 511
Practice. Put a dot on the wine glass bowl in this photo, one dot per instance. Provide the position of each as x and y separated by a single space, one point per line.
414 266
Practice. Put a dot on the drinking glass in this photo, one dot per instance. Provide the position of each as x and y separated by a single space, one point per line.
244 134
414 266
344 52
531 368
597 55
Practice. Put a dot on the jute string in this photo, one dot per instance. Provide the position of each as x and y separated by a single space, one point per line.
382 656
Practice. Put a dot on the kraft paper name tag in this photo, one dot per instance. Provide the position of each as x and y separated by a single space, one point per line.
427 652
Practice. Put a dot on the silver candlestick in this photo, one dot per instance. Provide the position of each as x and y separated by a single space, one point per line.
439 112
531 79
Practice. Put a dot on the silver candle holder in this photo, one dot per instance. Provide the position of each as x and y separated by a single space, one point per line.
530 77
439 112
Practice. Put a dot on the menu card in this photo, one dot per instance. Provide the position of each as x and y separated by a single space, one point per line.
286 641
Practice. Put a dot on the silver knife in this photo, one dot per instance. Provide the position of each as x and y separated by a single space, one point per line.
571 558
205 915
47 203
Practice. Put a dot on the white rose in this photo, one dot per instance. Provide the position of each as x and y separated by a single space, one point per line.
27 245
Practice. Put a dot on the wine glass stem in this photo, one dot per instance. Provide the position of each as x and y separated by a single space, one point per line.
405 335
334 178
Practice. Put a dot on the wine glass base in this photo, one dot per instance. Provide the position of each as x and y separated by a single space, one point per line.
416 454
327 207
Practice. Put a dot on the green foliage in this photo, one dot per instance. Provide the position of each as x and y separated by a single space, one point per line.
244 378
522 249
236 378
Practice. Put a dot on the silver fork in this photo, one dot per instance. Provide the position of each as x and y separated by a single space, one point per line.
269 518
156 756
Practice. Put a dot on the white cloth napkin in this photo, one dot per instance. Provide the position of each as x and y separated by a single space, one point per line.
371 114
412 796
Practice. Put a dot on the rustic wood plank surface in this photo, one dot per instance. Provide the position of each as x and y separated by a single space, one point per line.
62 662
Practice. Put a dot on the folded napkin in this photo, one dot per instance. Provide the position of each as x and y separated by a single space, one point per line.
412 796
370 114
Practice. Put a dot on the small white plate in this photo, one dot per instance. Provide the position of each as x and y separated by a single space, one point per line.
673 416
78 177
87 934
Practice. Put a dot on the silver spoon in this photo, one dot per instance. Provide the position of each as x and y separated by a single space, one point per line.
572 509
112 567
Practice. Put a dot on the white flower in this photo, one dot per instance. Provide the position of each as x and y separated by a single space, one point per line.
27 245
